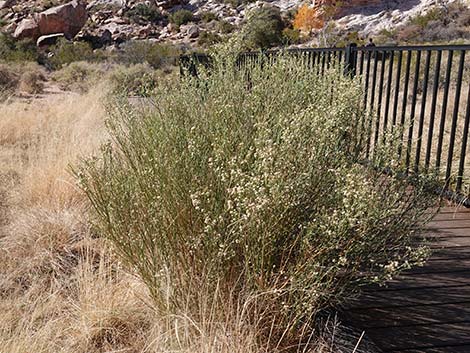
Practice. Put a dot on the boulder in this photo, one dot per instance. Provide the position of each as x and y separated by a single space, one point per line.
68 19
193 31
28 28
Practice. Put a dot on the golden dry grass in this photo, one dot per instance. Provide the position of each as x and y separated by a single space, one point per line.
59 289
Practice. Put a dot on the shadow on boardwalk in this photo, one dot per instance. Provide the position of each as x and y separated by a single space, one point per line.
426 309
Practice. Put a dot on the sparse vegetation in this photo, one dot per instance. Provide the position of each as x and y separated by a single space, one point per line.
439 24
78 76
208 16
66 52
181 17
139 52
142 13
207 38
139 79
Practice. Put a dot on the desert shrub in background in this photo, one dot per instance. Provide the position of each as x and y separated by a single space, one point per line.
78 76
236 199
208 16
12 50
181 17
207 38
8 81
263 28
291 36
17 78
225 27
32 79
66 52
142 13
155 54
439 24
139 79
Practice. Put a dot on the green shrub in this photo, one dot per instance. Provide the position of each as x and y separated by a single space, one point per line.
142 51
225 27
291 36
144 13
236 3
135 80
66 52
78 76
12 50
208 38
181 17
208 16
244 200
263 28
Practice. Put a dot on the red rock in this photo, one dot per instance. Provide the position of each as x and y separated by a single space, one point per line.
68 19
28 28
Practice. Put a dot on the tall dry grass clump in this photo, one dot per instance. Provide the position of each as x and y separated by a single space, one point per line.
60 289
239 201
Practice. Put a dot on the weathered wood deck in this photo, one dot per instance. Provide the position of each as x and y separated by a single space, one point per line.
426 309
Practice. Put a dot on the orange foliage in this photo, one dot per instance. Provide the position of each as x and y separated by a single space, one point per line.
308 18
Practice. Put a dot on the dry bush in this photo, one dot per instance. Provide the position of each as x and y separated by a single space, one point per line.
79 76
308 18
31 83
21 78
8 80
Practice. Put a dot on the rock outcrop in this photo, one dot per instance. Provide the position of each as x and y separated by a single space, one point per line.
67 19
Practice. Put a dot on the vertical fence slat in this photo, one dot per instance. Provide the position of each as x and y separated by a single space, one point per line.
361 64
432 114
379 98
404 100
444 110
455 117
463 149
397 88
388 92
423 109
372 100
366 92
413 110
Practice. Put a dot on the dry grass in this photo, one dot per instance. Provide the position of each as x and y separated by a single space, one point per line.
59 289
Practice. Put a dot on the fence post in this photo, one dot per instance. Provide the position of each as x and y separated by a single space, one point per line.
350 61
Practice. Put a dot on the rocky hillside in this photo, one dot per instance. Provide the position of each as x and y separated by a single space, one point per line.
184 21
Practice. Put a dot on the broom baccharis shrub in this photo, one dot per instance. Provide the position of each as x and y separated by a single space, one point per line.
239 195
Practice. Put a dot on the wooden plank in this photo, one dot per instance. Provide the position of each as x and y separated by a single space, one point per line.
449 223
423 296
457 348
423 337
412 315
425 309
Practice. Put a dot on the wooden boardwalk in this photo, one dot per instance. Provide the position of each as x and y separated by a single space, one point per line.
426 309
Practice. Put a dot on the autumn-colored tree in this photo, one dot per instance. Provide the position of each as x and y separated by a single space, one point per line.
308 18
